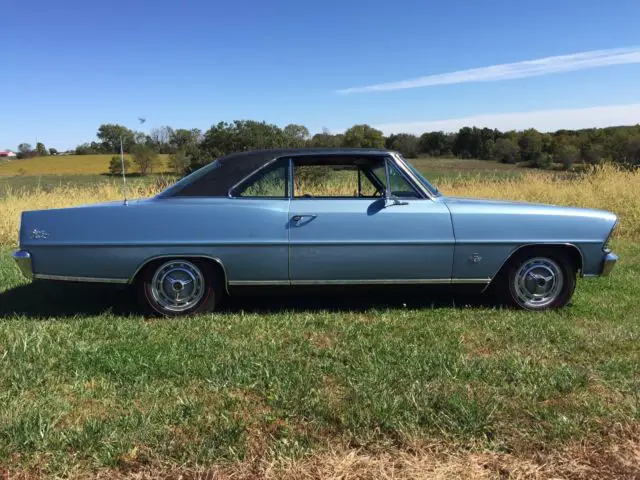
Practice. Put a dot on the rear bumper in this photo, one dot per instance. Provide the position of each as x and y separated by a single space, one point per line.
23 260
609 262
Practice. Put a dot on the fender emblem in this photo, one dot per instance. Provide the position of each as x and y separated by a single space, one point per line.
475 258
39 234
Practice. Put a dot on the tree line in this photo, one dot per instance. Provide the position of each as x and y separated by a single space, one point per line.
25 150
189 149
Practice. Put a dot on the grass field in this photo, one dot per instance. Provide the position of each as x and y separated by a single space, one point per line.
340 383
66 165
86 170
62 165
392 385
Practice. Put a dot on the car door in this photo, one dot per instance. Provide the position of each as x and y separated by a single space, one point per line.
342 239
257 223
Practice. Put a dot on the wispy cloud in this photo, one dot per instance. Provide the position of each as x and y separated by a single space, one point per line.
543 120
509 71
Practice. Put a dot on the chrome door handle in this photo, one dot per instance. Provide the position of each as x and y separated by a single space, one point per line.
297 218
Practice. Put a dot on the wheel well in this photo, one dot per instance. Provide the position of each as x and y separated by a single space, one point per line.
215 263
571 252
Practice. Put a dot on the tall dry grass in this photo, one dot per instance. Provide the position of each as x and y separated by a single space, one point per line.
605 187
15 202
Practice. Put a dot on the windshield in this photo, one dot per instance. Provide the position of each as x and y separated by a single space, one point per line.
425 183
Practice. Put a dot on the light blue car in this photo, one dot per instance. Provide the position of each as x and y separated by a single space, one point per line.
315 217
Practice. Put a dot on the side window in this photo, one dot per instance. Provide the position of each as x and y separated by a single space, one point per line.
270 182
325 181
399 186
334 178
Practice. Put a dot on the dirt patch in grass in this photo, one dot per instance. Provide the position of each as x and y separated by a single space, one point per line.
616 456
320 340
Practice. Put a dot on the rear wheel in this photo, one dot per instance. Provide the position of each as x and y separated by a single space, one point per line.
179 287
540 280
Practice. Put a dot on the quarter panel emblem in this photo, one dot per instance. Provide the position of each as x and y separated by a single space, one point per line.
475 258
39 234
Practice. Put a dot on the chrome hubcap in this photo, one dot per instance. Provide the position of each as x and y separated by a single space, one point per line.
178 285
538 282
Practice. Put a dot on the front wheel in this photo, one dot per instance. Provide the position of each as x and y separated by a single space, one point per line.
541 281
179 287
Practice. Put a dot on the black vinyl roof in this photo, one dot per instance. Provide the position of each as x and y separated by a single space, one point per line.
216 178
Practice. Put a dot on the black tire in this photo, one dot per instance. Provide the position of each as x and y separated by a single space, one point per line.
155 283
538 280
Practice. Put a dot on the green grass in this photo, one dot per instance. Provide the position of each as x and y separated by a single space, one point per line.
86 382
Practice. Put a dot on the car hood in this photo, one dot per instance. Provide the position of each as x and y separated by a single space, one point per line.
462 204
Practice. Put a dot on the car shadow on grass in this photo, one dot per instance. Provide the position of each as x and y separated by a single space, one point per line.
51 300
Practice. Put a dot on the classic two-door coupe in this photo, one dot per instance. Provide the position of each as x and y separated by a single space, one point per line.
315 217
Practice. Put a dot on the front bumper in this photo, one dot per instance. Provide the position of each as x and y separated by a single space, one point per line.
609 262
23 259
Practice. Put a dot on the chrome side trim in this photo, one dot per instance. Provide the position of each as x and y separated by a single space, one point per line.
65 278
23 260
245 283
186 255
470 280
610 260
410 281
374 281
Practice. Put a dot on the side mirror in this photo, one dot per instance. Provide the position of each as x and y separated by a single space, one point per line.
392 201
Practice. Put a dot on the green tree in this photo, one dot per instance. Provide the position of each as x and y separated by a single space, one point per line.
363 136
488 149
564 153
145 158
53 151
544 160
633 151
530 143
241 135
179 162
41 150
408 145
326 140
25 150
161 138
181 138
592 153
109 134
115 165
465 143
296 135
486 143
436 144
88 149
506 150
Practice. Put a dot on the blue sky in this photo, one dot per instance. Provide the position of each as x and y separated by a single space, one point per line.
69 66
